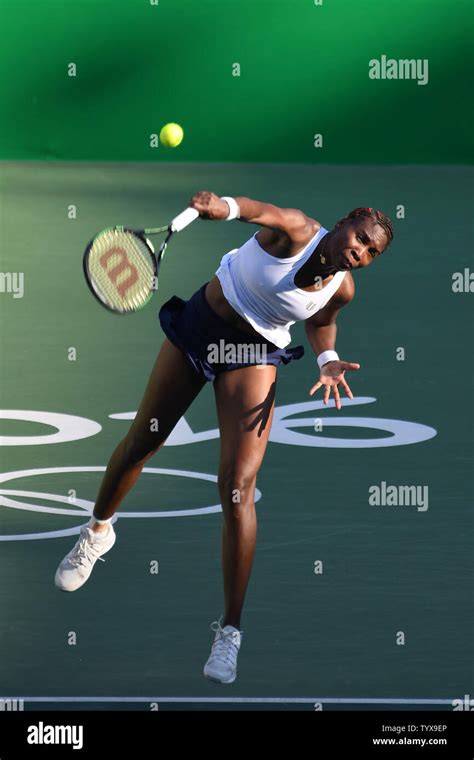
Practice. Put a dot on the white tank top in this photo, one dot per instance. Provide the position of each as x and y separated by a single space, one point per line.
261 288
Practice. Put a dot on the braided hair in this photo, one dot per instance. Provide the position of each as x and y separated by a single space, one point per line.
377 216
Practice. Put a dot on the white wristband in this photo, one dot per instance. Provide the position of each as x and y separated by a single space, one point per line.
327 356
234 210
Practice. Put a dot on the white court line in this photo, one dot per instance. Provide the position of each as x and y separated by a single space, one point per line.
251 700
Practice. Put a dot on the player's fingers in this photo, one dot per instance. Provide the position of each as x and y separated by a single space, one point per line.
346 388
315 388
201 200
327 393
350 365
197 204
337 397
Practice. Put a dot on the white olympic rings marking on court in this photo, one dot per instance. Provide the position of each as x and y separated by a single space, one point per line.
401 432
73 428
86 506
68 426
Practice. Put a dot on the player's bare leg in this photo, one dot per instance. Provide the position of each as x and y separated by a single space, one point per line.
172 387
245 404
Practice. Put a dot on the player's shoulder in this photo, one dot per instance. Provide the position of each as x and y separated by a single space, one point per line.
304 230
346 290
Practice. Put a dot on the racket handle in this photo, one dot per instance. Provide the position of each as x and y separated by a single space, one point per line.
182 220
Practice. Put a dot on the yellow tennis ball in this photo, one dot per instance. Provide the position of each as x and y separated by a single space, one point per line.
171 135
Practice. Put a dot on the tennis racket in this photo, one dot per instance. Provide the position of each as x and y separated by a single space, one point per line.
121 267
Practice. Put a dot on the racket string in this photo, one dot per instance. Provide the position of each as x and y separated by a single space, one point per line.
121 269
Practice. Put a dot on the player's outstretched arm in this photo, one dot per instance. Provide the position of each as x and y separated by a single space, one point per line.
292 221
321 331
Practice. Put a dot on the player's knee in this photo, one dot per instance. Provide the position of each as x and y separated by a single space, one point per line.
137 449
237 486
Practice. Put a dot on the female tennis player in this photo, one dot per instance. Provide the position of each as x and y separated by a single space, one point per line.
291 269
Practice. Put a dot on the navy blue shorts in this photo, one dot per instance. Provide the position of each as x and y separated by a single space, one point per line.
211 344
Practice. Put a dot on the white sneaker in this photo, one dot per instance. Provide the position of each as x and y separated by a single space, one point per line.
76 566
222 663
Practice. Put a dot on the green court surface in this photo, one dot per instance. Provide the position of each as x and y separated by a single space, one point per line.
388 570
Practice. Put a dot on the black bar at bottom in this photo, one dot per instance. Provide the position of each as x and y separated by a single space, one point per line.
140 735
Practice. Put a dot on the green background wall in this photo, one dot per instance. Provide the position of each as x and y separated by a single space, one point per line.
304 70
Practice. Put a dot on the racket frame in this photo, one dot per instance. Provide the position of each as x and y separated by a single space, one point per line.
153 257
177 224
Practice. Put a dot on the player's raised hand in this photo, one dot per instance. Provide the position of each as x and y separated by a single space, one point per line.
209 205
332 374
